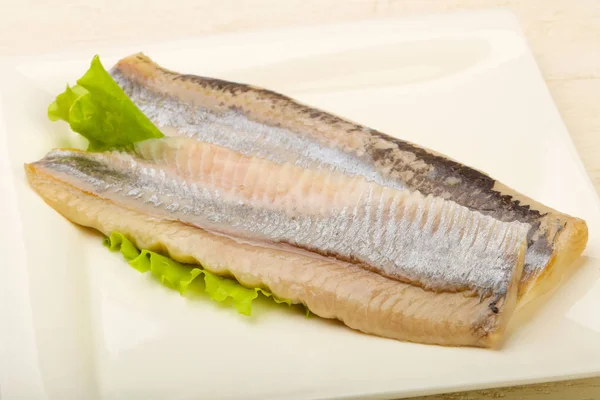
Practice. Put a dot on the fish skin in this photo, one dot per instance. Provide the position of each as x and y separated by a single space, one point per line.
361 299
427 241
263 123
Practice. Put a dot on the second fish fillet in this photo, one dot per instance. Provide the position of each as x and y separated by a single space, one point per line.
361 299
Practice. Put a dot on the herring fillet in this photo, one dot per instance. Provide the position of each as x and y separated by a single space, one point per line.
262 123
361 299
403 235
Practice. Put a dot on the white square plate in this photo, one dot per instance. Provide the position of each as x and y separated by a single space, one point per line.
82 324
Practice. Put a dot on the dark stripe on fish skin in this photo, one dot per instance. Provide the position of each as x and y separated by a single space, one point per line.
488 201
87 166
226 86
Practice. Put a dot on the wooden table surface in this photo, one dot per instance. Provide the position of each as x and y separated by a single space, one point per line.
564 36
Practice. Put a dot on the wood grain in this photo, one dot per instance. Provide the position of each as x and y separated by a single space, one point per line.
582 389
564 36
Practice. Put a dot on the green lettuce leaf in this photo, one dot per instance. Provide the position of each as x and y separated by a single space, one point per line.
179 276
99 110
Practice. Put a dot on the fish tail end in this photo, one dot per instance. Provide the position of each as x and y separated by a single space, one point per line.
569 244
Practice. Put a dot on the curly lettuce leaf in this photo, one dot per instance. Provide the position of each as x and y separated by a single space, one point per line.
179 276
99 110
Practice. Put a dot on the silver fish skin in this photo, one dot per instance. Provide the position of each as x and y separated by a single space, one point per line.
262 123
400 234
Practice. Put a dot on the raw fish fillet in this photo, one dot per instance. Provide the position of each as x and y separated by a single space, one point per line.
262 123
359 297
